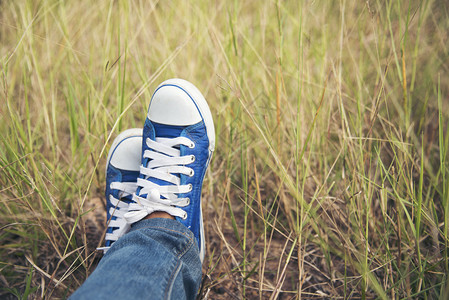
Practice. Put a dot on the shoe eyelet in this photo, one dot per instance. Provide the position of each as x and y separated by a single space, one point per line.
184 216
187 201
192 157
192 172
190 187
192 145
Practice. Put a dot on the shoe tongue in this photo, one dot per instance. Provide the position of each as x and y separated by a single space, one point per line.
129 176
167 131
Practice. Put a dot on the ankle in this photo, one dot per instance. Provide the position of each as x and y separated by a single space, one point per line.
159 214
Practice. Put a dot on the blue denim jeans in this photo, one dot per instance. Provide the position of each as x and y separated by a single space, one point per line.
156 259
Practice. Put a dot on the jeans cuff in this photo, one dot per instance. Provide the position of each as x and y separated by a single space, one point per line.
161 222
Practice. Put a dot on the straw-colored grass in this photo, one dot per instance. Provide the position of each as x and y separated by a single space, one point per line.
331 172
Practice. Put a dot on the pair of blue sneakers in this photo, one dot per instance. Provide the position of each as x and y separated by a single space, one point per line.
162 166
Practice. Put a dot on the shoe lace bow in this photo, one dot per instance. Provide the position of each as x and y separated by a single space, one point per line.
165 164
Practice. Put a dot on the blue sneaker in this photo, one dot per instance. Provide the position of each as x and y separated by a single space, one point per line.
122 170
178 142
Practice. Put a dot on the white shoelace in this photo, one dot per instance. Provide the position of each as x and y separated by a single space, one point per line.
118 210
165 161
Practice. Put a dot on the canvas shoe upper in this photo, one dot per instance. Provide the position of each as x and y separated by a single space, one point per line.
122 170
178 142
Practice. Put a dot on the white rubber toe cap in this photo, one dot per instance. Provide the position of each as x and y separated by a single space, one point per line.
126 150
171 105
178 102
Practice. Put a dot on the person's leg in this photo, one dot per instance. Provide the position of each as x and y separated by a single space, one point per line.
157 259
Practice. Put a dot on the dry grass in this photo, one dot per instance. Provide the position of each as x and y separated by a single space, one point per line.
330 177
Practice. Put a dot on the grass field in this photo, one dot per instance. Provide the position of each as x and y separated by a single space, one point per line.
330 177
